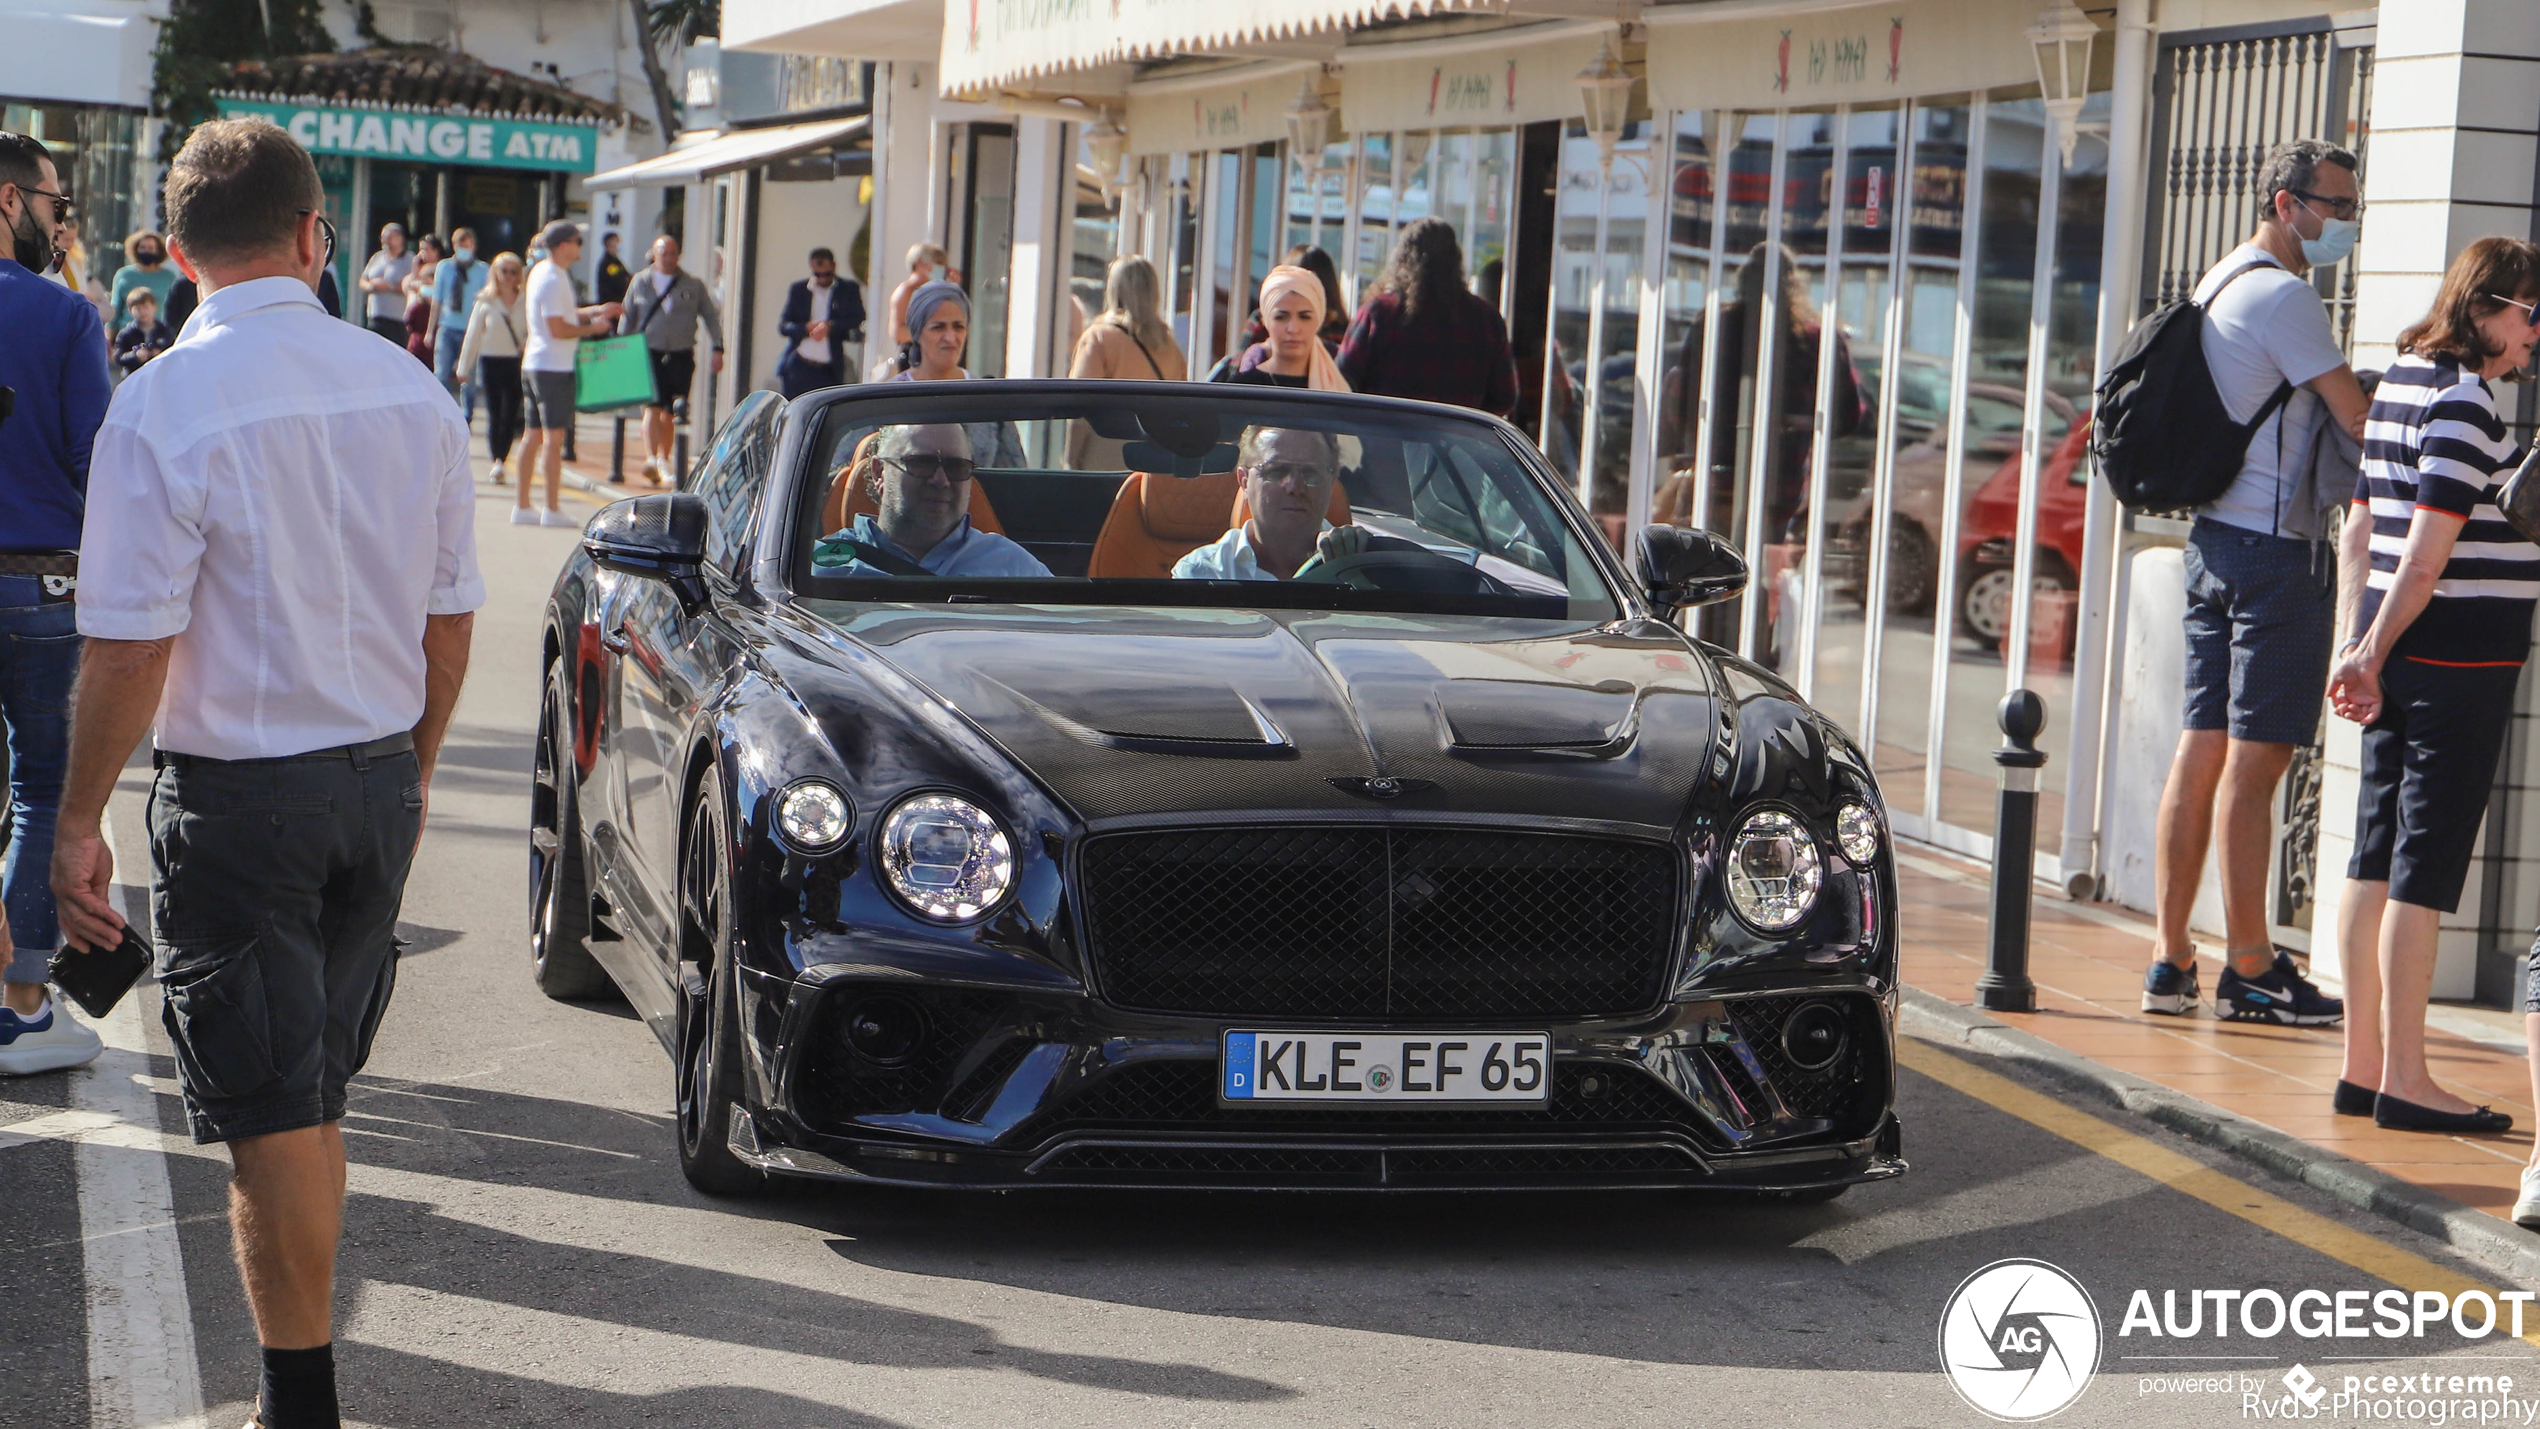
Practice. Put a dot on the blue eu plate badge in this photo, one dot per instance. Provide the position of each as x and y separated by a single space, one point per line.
1240 1048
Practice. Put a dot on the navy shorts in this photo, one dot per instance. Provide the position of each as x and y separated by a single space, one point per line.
2260 613
2428 764
276 905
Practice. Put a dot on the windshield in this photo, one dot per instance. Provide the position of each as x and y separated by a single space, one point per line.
1152 494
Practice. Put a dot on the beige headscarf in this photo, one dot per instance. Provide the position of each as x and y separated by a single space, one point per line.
1321 373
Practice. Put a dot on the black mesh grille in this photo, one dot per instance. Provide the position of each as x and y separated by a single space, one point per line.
841 1085
1323 922
1394 1166
1830 1091
1456 1163
1182 1096
1243 1163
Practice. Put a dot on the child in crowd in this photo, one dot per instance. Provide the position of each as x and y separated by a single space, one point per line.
145 337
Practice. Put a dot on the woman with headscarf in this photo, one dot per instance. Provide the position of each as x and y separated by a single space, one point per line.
1129 342
1292 307
1335 308
939 325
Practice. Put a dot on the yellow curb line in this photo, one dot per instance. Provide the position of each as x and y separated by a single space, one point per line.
2190 1177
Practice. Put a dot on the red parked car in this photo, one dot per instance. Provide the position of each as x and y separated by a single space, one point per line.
1985 547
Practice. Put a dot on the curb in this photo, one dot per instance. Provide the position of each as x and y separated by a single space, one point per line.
2495 1244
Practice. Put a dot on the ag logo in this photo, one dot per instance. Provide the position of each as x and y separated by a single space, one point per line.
2019 1340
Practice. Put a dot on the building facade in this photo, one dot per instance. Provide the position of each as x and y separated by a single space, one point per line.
1831 280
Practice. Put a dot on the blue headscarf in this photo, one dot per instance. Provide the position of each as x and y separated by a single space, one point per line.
923 302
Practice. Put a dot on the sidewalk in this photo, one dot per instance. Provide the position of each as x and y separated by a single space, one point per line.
2088 961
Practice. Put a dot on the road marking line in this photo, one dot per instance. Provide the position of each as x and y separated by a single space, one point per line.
142 1372
2190 1177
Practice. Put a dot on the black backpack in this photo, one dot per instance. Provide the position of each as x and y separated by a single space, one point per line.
2161 434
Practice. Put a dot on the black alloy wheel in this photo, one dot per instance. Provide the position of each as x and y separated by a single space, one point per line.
709 1020
1913 569
559 895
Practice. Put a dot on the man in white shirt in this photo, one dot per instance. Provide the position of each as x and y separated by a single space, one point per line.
279 561
1287 477
2261 603
383 284
558 321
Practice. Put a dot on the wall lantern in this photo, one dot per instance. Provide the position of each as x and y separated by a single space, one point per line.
1108 141
1605 88
2063 36
1309 125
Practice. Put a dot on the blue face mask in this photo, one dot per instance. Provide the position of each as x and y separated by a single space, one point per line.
2336 240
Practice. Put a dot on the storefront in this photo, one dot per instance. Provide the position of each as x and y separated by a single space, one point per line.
77 77
453 144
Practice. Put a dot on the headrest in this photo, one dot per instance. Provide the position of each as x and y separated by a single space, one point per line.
1195 508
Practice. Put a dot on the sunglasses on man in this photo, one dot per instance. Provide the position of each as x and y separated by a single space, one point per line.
63 208
927 468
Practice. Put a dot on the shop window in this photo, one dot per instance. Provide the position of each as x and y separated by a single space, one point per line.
1182 222
1375 211
1616 336
1092 241
1978 614
1578 208
1862 234
1795 333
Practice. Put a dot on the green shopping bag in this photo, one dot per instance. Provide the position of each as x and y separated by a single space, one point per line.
612 372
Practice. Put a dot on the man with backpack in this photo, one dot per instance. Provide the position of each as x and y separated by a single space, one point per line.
2261 589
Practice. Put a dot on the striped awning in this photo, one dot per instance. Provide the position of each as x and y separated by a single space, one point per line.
996 44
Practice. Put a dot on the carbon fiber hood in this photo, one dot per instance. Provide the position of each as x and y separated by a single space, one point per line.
1132 713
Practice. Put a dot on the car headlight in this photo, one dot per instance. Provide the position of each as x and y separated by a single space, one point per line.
812 816
1856 832
946 858
1774 871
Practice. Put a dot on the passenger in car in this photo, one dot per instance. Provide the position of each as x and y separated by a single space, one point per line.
1287 478
919 478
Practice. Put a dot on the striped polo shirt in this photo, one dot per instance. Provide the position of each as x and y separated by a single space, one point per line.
2433 440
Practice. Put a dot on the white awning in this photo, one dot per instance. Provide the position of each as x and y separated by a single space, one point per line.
59 54
992 44
740 149
1519 75
840 29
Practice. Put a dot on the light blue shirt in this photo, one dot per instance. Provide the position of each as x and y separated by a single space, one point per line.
1229 558
455 294
968 551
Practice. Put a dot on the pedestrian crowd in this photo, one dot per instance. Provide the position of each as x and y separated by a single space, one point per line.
2363 556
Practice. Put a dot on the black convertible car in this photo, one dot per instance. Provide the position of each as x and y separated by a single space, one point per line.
1290 790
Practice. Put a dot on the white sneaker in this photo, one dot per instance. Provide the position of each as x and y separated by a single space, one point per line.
494 473
48 1042
553 517
2527 1205
653 470
523 516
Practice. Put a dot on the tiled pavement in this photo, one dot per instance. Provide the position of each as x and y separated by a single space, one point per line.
2088 962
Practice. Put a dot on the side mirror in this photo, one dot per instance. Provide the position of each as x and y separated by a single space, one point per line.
1680 566
660 538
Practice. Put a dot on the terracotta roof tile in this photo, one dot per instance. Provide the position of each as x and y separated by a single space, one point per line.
416 77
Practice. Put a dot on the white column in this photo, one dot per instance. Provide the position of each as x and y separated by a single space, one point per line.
1042 181
903 156
2451 160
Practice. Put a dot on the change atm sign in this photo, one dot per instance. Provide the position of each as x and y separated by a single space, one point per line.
425 137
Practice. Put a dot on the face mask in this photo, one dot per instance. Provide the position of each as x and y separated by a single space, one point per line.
27 243
146 257
2336 240
467 255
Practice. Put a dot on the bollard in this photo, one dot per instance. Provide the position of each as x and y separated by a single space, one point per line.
2005 985
679 414
617 451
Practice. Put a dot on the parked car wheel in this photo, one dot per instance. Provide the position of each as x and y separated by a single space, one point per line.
1984 599
709 1040
559 900
1913 569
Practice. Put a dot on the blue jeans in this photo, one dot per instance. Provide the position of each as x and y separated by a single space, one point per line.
39 656
445 365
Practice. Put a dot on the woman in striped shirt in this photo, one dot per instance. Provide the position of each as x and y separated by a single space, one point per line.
2439 592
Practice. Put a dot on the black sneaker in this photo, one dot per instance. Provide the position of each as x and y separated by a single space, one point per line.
2171 989
2280 994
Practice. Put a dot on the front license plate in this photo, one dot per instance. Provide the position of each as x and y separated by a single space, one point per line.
1424 1067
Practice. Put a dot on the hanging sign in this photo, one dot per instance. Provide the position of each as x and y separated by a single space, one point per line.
1252 110
1756 58
1518 80
424 137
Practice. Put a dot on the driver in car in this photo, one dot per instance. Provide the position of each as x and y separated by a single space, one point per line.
919 478
1287 481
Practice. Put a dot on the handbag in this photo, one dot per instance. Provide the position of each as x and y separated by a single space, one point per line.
2518 500
614 372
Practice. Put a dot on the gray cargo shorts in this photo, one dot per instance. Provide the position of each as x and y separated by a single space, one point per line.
278 882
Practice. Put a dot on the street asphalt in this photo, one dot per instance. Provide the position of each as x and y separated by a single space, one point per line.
521 1250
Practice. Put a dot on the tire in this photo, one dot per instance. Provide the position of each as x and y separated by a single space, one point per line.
709 1066
1984 601
559 895
1913 569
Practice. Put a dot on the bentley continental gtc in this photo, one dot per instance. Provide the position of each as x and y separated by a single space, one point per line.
1020 784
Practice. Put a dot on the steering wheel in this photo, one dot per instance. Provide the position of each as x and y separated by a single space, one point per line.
1392 564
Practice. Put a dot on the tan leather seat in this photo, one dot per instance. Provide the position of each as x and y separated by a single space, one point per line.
1157 520
851 495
